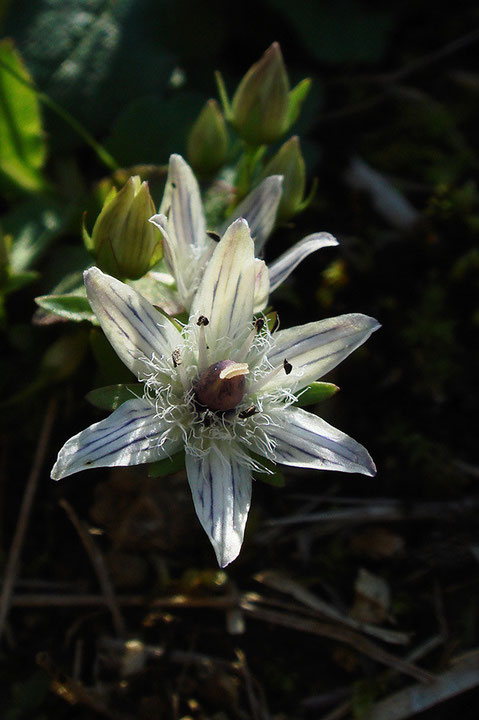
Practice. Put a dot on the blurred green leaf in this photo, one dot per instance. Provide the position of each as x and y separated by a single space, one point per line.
92 58
70 307
168 466
22 147
34 224
112 396
18 280
316 392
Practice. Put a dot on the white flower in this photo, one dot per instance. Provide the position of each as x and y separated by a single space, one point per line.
187 246
222 388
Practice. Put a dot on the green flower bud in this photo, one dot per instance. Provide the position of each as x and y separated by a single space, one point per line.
264 107
123 242
289 163
208 140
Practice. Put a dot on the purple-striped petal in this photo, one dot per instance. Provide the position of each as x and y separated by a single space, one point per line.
261 285
305 440
132 325
226 292
259 209
182 204
316 348
221 490
281 268
129 436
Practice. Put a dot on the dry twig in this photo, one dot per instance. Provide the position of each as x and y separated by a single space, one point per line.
24 515
99 567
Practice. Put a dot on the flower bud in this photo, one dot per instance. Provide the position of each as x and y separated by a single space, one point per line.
263 107
260 103
289 163
222 385
208 140
123 242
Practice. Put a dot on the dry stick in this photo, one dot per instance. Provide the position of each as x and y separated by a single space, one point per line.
392 511
425 648
24 515
95 600
73 691
340 634
99 567
415 699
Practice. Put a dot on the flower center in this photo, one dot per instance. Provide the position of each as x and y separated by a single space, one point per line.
222 385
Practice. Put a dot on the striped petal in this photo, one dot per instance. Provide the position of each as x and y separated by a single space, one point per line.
261 286
305 440
132 325
226 292
281 268
316 348
221 490
259 209
182 203
129 436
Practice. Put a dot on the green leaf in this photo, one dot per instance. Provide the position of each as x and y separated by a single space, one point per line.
70 307
22 147
112 396
168 466
316 392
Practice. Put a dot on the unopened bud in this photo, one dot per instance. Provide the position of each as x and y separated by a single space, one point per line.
260 103
289 163
124 243
208 140
222 385
264 107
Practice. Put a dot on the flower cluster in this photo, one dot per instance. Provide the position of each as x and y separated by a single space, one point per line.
223 386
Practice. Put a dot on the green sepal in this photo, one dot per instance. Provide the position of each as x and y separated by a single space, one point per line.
111 397
224 99
297 96
316 392
273 476
272 320
87 240
309 198
70 307
168 466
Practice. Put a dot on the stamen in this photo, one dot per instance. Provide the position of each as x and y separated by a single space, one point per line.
245 348
178 364
213 235
202 346
251 410
286 367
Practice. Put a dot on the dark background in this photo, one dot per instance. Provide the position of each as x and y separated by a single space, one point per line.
396 85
